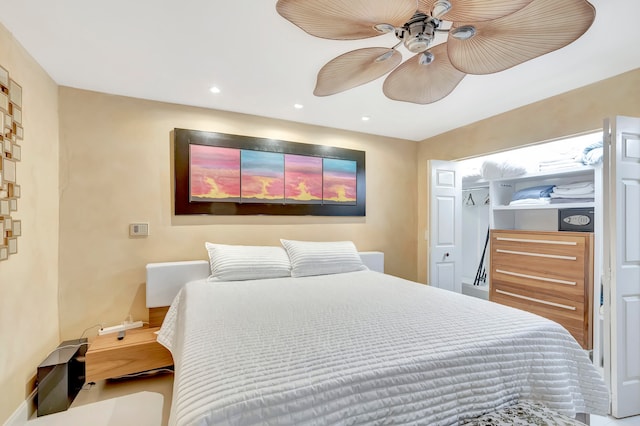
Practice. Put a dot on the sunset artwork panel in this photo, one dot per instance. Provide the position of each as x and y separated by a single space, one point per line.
214 173
228 175
339 184
302 179
262 176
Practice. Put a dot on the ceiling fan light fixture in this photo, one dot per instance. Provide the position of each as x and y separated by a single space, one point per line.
418 43
440 8
385 56
426 58
464 32
384 28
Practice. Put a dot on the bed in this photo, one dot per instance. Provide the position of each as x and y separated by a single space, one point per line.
357 348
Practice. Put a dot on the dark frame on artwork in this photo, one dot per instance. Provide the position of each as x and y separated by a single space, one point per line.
188 204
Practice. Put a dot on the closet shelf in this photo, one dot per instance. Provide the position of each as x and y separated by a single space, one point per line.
552 173
546 206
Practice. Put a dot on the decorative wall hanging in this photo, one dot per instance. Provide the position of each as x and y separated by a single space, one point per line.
10 154
223 174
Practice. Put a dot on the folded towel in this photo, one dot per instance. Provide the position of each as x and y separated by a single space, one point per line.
571 200
573 189
560 165
530 202
535 192
588 195
558 161
574 185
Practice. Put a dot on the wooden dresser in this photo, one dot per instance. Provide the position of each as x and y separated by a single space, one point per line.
547 273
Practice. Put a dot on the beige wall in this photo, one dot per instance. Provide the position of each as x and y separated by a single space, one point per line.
104 162
574 112
115 169
29 279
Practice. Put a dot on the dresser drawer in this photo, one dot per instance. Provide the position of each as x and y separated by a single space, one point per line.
568 313
546 242
557 306
541 281
536 255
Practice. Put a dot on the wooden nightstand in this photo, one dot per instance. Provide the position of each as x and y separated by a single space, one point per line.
109 357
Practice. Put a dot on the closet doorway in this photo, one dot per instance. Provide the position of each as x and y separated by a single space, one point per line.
478 213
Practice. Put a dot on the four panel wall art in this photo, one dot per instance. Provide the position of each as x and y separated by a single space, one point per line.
223 174
11 153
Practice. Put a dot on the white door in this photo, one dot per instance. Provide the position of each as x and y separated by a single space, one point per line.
445 224
622 262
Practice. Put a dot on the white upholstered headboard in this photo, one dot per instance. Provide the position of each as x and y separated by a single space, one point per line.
165 279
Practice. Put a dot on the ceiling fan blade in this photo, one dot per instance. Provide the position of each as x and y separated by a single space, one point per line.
423 84
345 19
475 10
539 28
355 68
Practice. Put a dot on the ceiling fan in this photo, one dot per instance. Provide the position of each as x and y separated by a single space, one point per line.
450 39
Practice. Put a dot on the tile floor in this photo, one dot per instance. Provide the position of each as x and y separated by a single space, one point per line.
610 421
163 383
106 389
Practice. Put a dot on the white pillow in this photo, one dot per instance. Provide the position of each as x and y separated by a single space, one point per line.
322 258
237 263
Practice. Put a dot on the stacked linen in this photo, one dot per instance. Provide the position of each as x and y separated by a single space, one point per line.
567 159
559 164
579 192
534 195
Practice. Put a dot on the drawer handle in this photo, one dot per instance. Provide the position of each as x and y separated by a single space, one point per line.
524 240
544 302
535 277
526 253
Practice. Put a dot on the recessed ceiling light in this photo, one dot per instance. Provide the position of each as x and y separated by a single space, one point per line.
366 118
298 106
214 89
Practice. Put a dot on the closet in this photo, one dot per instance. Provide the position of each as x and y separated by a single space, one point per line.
486 201
512 248
597 298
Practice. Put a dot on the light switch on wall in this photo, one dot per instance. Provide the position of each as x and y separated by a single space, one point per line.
138 229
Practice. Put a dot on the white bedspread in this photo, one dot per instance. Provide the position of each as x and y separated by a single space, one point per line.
363 348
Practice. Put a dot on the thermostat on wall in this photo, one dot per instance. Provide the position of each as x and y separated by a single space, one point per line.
138 229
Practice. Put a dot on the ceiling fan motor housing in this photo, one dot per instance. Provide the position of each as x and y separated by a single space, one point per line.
418 33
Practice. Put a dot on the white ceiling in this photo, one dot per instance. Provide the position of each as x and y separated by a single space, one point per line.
174 51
